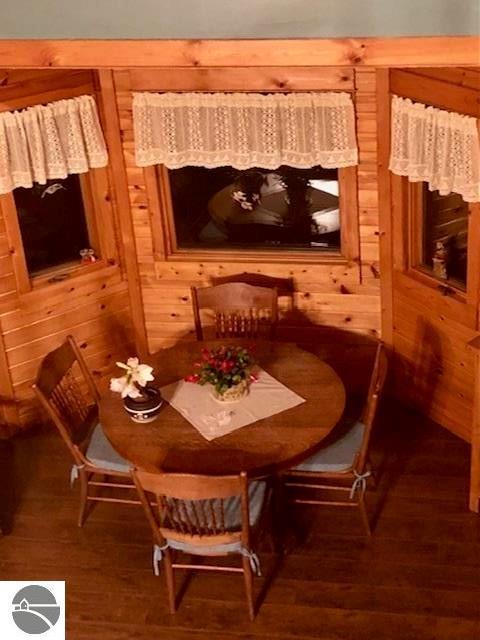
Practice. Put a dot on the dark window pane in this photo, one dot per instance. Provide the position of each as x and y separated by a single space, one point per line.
445 236
52 223
256 209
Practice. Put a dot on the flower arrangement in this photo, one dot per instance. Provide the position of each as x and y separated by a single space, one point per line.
134 381
224 368
246 189
242 198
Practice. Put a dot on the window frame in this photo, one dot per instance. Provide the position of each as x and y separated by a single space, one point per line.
447 302
164 238
96 188
414 267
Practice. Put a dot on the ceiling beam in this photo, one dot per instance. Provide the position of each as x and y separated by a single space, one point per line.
369 52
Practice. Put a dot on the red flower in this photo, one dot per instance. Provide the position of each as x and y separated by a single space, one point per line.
227 365
194 377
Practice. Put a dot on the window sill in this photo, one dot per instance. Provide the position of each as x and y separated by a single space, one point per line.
447 287
64 275
271 256
64 272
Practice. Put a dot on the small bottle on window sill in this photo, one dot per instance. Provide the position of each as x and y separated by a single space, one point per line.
87 256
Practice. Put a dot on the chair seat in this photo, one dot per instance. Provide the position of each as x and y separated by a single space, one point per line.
101 453
232 518
338 456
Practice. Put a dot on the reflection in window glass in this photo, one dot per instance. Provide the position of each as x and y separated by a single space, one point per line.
445 236
52 223
256 208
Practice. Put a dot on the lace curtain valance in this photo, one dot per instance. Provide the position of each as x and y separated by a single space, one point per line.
435 146
49 142
244 130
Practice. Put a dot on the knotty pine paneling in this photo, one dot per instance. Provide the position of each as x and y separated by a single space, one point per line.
94 306
433 366
345 297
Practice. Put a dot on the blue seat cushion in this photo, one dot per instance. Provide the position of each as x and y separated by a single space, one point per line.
232 518
101 453
337 456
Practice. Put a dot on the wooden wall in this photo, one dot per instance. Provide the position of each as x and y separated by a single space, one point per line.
434 367
93 306
344 297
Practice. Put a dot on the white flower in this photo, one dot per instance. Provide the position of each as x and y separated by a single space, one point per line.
118 384
136 375
124 387
142 374
247 205
239 196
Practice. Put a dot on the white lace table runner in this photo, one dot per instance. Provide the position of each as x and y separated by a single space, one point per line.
213 418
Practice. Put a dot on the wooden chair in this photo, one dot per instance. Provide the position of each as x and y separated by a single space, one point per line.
240 310
203 516
66 390
343 464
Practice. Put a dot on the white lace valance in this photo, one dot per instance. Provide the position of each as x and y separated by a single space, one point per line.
244 130
49 142
435 146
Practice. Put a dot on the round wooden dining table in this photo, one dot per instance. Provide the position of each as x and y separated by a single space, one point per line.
172 444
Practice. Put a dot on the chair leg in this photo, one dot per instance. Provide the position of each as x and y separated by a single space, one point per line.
279 514
363 512
170 580
83 478
248 576
373 474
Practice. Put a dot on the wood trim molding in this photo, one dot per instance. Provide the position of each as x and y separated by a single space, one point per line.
412 280
474 496
349 219
165 245
436 93
112 134
8 406
385 204
48 87
243 79
14 235
95 189
373 52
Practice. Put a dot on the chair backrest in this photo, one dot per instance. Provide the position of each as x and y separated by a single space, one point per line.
377 384
240 310
67 391
194 509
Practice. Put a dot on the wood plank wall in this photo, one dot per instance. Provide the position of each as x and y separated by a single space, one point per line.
434 366
94 307
342 297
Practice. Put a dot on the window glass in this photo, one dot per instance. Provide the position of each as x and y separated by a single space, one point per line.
445 236
52 223
256 208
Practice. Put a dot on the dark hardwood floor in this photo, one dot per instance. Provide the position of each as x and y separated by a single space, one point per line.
418 578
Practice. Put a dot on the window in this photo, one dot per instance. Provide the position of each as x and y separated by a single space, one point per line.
440 235
49 226
260 210
53 223
256 208
435 261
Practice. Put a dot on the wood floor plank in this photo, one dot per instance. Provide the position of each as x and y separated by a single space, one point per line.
417 578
